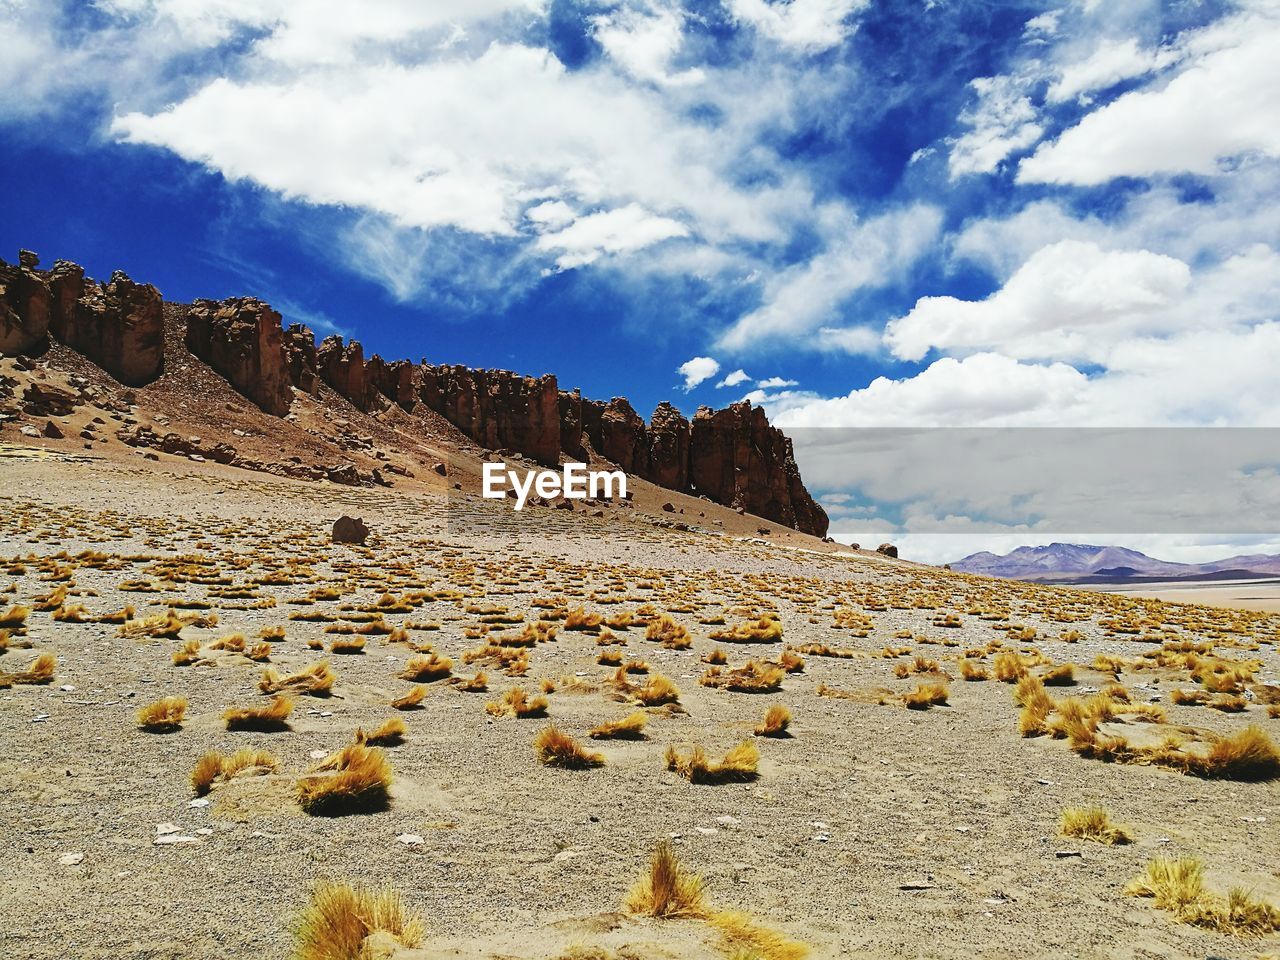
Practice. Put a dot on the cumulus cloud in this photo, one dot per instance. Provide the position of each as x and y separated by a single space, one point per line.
623 230
698 369
805 25
643 42
1002 122
1224 104
774 383
1071 300
732 380
1108 65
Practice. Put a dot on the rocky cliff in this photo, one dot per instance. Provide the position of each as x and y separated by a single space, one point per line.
731 456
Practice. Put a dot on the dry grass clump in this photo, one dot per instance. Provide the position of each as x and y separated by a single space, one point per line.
272 718
317 680
411 700
478 683
630 727
516 703
187 654
556 748
656 691
215 766
973 670
1009 667
165 625
752 677
340 918
423 668
1228 703
925 696
14 617
273 633
390 734
1190 698
822 650
347 645
1178 886
611 657
764 630
776 720
40 671
672 635
259 652
163 716
1036 706
717 657
1093 823
1249 755
232 643
354 780
746 937
123 615
920 664
739 764
71 613
668 891
1060 676
579 619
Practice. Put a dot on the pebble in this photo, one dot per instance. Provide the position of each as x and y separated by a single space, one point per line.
40 718
707 831
199 802
318 754
169 839
166 827
71 859
1063 854
410 839
728 821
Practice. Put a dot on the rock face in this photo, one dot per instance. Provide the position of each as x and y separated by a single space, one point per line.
669 448
496 408
119 326
342 367
738 459
242 339
300 355
623 438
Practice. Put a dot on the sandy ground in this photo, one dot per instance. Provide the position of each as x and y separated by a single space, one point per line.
874 831
1261 595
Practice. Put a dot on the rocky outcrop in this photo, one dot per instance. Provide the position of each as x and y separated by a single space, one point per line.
668 448
119 326
341 366
623 437
496 408
737 458
242 340
300 356
24 306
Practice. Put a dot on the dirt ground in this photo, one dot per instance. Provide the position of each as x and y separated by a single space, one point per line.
872 831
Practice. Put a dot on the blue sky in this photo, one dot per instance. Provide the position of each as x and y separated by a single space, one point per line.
925 213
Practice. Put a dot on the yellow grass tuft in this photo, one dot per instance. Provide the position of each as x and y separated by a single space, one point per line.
411 700
630 727
1036 706
348 646
187 654
739 764
1249 755
317 679
1060 676
776 720
163 716
354 780
14 617
926 695
272 718
973 670
752 677
656 691
672 635
764 630
744 936
340 918
214 766
579 619
1009 667
557 749
516 703
423 668
40 671
1093 823
390 734
668 891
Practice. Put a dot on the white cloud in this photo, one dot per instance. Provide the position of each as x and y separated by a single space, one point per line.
854 340
622 230
643 42
774 383
806 25
1002 122
697 370
732 380
1045 24
551 215
856 256
1070 301
1224 104
1109 64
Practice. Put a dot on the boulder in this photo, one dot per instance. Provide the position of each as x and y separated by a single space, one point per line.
888 549
349 530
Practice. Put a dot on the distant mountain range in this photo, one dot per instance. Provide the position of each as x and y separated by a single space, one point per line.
1076 562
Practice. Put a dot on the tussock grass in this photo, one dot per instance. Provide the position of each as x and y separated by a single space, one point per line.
1009 667
925 696
752 677
764 630
40 671
215 766
232 643
668 891
163 716
316 680
1093 823
972 670
390 734
1036 706
656 691
716 657
744 936
340 918
579 619
14 617
920 664
739 764
424 668
672 635
272 718
349 646
776 720
411 700
165 626
611 657
354 780
1249 755
555 748
187 654
630 727
1060 676
516 703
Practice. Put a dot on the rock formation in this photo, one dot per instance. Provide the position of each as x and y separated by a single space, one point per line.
242 339
731 456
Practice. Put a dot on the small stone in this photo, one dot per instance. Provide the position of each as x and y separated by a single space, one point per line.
707 831
172 839
199 802
71 859
1063 854
728 821
567 854
410 839
166 827
318 754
